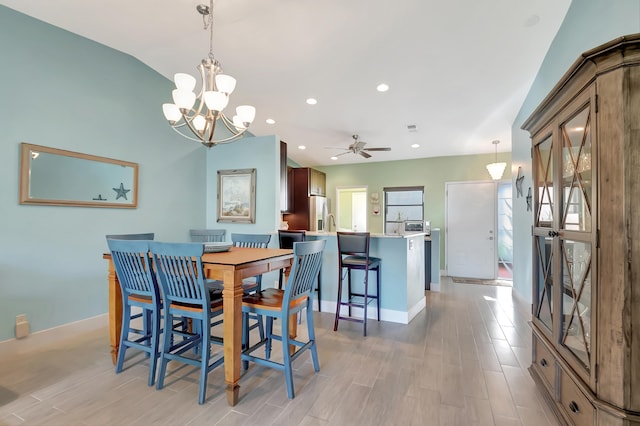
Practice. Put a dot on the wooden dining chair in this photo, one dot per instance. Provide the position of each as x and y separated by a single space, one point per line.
207 235
185 295
140 290
252 284
286 238
274 303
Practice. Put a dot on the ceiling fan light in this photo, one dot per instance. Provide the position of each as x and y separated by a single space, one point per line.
225 83
496 170
216 101
183 99
246 113
184 81
171 112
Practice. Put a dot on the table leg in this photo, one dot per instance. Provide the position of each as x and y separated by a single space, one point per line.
115 312
232 299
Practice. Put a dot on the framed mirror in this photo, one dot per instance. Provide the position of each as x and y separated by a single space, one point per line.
52 176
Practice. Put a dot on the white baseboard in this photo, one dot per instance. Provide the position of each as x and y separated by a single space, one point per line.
388 315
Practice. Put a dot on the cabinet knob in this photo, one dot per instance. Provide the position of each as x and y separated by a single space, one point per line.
574 407
543 362
554 233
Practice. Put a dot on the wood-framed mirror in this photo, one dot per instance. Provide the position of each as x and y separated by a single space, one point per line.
51 176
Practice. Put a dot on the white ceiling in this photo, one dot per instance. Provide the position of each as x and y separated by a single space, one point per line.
457 69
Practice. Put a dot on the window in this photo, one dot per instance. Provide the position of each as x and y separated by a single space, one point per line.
400 204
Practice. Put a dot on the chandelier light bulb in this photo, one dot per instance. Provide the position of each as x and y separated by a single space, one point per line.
246 113
237 122
184 82
171 112
183 99
216 101
199 122
225 83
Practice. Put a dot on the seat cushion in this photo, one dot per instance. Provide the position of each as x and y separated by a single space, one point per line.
270 299
360 261
248 286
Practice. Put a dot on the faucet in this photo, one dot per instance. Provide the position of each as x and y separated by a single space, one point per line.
333 220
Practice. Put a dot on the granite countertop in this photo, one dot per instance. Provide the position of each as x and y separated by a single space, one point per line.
373 235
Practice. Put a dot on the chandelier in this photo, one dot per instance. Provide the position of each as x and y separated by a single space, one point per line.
496 169
198 123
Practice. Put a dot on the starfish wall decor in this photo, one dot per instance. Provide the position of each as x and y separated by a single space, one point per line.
121 192
519 180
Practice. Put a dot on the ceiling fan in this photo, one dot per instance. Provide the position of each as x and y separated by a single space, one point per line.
357 147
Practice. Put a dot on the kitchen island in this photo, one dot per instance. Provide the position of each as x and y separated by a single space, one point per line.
402 275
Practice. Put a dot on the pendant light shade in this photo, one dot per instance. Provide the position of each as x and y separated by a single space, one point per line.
496 169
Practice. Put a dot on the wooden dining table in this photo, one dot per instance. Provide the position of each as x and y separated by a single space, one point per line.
231 267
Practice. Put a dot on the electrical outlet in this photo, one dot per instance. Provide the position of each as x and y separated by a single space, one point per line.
22 326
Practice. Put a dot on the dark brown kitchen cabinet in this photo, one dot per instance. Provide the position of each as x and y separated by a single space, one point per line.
284 186
317 182
307 181
305 185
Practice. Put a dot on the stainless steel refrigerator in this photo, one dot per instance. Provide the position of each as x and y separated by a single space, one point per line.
318 211
308 212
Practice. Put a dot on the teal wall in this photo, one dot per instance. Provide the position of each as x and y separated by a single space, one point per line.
260 153
432 173
61 90
588 23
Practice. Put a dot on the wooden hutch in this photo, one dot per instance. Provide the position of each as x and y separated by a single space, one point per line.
586 238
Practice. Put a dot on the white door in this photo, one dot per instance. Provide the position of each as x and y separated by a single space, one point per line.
359 212
471 230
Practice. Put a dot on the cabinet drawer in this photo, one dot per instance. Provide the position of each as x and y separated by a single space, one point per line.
574 403
545 363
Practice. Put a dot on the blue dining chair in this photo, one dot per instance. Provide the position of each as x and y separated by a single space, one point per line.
139 289
144 236
249 285
207 235
275 303
185 295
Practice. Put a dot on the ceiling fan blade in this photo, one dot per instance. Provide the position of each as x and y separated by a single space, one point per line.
364 154
336 147
377 149
342 153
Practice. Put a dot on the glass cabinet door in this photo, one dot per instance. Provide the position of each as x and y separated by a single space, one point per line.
576 235
543 281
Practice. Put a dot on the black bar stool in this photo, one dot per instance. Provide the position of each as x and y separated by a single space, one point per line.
353 253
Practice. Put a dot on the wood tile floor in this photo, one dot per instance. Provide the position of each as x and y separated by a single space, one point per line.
462 361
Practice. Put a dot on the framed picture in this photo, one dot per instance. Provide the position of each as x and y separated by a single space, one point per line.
237 196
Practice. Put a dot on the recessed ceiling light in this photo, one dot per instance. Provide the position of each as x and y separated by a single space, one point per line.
334 158
270 121
312 101
302 147
415 145
382 87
